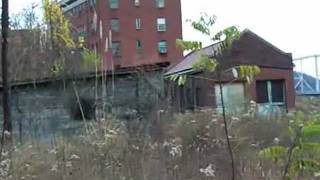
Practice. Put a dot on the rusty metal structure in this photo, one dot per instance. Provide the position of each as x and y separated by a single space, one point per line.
307 75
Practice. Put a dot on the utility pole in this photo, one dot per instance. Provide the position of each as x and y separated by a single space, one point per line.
4 57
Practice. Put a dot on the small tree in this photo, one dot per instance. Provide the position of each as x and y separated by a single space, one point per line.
302 156
209 63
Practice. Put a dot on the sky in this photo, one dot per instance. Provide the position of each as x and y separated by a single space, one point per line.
291 25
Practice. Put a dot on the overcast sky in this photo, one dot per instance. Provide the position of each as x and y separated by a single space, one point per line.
291 25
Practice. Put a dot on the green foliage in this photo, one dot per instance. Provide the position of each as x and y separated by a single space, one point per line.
188 45
89 57
227 36
305 148
59 26
57 67
180 79
248 72
275 153
204 24
311 131
205 63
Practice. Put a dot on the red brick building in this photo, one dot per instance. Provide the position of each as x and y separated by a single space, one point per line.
128 33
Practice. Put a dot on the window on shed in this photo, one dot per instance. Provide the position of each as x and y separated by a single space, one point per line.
262 92
270 91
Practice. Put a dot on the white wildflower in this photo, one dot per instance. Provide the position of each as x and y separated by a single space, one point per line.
4 168
52 151
74 157
54 167
166 143
5 154
235 119
135 147
176 151
7 133
208 171
214 120
68 164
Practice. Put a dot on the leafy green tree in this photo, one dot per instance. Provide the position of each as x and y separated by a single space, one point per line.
209 63
302 156
58 25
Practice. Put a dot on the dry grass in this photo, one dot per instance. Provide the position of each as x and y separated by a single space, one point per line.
188 146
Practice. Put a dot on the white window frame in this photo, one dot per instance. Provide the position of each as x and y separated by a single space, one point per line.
161 24
138 23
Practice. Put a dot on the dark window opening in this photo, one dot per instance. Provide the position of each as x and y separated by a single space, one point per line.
262 92
116 49
277 91
270 91
139 46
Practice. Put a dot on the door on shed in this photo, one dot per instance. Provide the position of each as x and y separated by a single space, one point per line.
233 96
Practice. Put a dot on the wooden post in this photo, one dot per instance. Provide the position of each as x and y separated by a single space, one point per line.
4 55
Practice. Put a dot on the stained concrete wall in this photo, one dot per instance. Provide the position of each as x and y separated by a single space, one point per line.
41 110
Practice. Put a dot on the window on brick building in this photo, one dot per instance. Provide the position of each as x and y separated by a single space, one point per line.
115 25
163 47
116 48
160 3
161 24
138 23
138 46
270 91
137 2
114 4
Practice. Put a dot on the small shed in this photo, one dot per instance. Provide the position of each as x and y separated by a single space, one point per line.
272 87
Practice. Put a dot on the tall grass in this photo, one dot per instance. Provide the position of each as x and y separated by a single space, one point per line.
165 146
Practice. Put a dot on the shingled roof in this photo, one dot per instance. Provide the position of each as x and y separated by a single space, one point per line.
246 37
